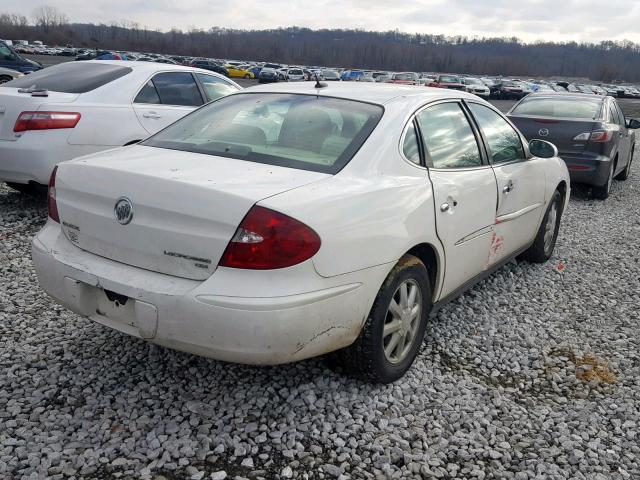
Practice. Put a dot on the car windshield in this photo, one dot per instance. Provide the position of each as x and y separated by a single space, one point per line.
449 79
473 81
583 108
297 131
404 76
71 77
330 73
295 71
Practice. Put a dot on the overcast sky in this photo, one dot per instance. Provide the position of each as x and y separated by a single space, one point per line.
590 20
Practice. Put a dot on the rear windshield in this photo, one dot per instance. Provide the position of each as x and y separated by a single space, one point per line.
297 131
71 77
449 79
559 108
404 76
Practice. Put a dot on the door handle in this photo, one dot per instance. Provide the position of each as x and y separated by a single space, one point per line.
509 187
151 115
445 207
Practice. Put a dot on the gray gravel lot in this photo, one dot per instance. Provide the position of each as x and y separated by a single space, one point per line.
535 373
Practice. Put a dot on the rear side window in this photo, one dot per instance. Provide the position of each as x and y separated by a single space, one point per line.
177 88
410 146
148 94
71 77
504 142
448 137
307 132
215 87
559 108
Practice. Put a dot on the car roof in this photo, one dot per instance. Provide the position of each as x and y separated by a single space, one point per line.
141 66
378 93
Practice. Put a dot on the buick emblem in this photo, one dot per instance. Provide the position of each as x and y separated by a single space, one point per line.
543 132
123 211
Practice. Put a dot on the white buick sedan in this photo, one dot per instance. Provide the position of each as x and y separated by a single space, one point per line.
77 108
290 221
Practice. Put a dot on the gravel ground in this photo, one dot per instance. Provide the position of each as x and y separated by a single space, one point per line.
535 373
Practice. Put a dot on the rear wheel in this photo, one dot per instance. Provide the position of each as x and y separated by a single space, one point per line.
627 171
5 78
545 242
247 76
602 192
393 333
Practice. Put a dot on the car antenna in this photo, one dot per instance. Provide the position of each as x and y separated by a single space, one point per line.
319 84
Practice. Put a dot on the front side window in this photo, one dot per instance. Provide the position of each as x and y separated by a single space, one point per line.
504 142
215 87
297 131
177 88
448 138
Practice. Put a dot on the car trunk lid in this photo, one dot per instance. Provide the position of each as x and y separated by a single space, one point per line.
13 102
186 206
560 132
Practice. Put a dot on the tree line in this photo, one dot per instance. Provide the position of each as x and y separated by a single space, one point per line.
392 50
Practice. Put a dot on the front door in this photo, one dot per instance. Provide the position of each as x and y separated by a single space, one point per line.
520 183
464 188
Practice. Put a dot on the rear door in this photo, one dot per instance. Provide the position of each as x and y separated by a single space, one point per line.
464 189
165 98
520 183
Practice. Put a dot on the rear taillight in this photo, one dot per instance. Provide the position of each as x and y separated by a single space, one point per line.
52 206
598 136
267 240
45 121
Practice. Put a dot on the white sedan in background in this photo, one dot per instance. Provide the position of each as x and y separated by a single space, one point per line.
290 221
77 108
475 86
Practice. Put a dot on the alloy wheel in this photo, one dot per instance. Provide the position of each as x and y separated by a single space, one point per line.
402 321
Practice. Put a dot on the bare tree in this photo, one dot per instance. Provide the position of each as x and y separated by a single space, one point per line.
47 18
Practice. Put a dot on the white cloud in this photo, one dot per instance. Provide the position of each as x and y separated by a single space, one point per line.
580 20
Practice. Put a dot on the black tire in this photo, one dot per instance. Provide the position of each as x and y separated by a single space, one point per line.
602 192
247 76
28 188
539 251
626 173
366 358
5 78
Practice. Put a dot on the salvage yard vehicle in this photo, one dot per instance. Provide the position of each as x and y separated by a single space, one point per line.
6 75
475 86
593 136
239 71
447 81
289 221
77 108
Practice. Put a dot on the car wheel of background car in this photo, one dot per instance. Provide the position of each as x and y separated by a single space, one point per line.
542 247
627 171
5 79
247 76
393 333
602 192
28 188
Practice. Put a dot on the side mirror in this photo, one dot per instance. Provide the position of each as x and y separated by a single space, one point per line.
633 123
542 149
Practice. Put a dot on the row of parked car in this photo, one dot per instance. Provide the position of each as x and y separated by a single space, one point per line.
261 226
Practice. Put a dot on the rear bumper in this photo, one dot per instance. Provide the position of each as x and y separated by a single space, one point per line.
31 158
214 318
587 169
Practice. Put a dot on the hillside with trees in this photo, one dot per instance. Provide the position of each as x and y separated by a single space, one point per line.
394 50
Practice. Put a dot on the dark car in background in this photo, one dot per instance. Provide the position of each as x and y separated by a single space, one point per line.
591 133
9 58
448 81
508 90
211 66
